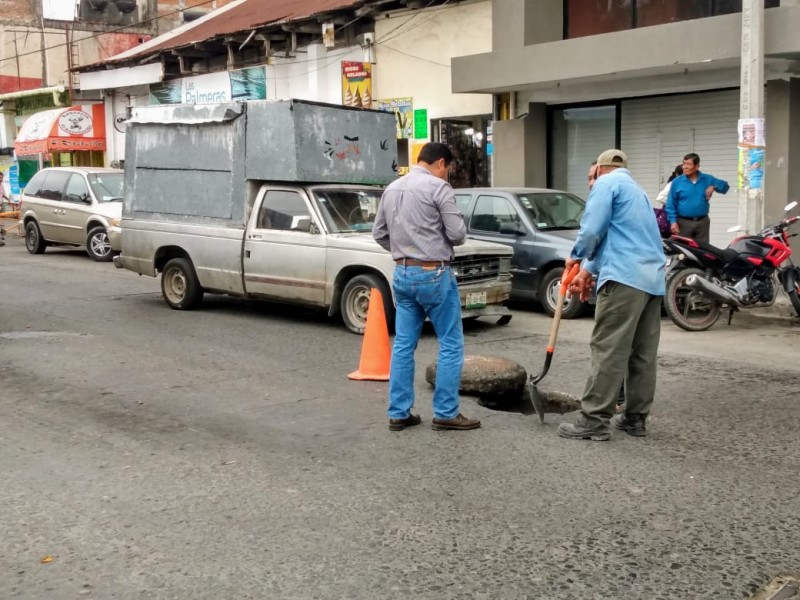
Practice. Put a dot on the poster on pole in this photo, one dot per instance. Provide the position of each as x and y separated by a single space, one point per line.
356 84
751 133
752 153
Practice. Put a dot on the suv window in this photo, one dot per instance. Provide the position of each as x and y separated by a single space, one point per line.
492 212
77 190
53 185
281 210
34 186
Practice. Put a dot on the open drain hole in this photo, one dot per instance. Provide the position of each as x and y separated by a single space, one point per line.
555 402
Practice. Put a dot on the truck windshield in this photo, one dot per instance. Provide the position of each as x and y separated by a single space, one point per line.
107 187
553 210
347 211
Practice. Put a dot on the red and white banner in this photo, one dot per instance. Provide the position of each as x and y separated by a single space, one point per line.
63 130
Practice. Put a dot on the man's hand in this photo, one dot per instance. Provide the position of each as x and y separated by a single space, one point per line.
568 264
674 229
709 192
582 284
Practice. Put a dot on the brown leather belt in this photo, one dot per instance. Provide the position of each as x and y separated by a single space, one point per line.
413 262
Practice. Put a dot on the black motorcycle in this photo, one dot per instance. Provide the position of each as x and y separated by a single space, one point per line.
703 279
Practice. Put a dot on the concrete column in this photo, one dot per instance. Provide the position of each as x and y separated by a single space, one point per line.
509 153
751 104
783 150
544 21
520 150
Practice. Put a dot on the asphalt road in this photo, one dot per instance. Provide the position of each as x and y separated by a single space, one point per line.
223 454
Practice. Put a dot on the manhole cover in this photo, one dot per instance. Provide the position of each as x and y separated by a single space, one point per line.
782 587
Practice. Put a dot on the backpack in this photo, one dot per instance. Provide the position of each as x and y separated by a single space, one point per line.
663 222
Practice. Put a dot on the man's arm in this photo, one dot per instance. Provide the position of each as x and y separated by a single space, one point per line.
720 185
594 223
380 229
672 205
454 228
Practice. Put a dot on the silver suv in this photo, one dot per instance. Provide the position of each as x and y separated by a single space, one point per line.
76 206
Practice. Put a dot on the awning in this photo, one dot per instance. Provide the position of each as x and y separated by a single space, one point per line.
63 130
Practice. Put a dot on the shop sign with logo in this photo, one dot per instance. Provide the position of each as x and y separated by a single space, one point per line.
356 84
213 88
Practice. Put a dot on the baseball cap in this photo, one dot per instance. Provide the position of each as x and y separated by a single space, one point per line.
612 158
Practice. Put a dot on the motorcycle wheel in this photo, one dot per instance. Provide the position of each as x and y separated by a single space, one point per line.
795 300
690 309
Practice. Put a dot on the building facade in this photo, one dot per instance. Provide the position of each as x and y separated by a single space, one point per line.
43 40
374 54
570 78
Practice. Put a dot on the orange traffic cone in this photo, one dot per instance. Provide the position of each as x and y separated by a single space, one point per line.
376 352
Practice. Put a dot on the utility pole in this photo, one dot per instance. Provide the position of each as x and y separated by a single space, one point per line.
752 143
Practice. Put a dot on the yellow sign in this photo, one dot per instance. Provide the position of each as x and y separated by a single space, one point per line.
356 84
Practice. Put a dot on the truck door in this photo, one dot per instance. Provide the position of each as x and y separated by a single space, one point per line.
284 251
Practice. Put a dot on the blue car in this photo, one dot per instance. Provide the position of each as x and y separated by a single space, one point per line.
540 225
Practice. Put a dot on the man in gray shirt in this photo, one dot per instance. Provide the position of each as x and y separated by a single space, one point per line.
418 222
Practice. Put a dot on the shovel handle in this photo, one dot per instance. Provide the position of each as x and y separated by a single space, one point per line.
566 279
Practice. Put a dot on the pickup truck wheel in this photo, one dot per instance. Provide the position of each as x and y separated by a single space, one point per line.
179 284
97 245
548 296
34 241
354 305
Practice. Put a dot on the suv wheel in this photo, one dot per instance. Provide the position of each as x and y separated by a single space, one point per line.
548 296
34 241
97 245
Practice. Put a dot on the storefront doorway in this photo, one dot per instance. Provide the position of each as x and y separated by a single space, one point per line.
466 137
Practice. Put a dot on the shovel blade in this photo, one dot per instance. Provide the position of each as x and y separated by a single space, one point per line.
537 401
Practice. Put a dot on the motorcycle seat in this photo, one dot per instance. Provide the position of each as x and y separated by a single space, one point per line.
725 254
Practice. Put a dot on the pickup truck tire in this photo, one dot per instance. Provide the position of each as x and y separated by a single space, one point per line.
34 241
354 304
179 285
548 296
97 245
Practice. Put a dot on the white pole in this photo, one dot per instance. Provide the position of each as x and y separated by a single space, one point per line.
751 115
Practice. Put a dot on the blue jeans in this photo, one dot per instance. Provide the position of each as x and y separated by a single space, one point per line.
420 292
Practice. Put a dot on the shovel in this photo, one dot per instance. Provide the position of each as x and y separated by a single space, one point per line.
538 398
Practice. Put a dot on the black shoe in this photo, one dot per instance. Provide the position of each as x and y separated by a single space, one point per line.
580 431
400 424
631 424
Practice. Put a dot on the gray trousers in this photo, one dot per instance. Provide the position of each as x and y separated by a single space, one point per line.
697 230
624 346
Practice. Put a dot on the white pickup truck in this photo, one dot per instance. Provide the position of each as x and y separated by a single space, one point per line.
217 200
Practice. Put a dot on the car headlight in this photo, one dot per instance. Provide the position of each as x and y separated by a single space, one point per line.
505 265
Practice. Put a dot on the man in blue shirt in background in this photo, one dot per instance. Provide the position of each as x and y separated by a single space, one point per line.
687 203
619 245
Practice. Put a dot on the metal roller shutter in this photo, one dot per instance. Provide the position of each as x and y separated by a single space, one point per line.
658 132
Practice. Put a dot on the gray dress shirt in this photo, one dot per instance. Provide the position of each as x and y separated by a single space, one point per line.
418 218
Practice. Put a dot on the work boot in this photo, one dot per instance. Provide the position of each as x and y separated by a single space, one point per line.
400 424
459 423
581 431
630 424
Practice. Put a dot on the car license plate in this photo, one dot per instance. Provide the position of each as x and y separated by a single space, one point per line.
476 299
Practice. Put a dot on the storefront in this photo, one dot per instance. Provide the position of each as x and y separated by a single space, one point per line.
63 137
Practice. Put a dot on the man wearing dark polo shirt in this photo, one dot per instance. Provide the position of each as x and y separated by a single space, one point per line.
688 201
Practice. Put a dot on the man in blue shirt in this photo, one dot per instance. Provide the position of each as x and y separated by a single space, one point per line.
620 246
687 203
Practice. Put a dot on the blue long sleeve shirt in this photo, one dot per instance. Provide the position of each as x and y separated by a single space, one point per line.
687 199
619 239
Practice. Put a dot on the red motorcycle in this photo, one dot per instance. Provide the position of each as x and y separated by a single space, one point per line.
702 279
